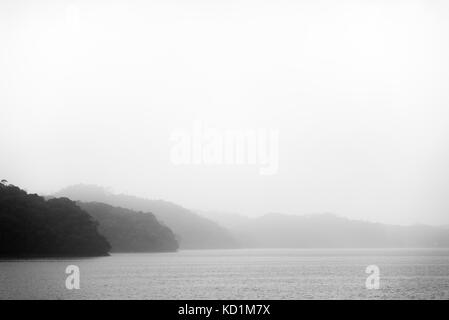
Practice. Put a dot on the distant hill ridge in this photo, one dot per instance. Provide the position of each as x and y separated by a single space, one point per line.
191 230
276 230
130 231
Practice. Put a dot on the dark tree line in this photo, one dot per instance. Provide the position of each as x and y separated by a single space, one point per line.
32 226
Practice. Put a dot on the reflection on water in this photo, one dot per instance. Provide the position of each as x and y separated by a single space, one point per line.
234 274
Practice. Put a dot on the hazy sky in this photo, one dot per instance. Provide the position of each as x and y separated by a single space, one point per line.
358 91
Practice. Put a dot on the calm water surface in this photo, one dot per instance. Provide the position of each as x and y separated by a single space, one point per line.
234 274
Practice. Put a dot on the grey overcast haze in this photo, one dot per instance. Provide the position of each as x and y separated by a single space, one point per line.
358 91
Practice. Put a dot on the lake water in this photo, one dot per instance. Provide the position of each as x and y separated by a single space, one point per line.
234 274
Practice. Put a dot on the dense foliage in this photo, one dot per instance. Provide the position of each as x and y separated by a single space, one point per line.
32 226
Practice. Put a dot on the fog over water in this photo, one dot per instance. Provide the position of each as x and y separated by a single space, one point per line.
357 92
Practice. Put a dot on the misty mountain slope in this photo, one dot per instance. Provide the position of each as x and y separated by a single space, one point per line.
130 231
192 231
329 231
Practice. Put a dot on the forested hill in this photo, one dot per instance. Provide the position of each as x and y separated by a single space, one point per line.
31 226
131 231
192 231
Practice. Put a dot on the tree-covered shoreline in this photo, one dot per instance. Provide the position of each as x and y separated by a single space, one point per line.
32 227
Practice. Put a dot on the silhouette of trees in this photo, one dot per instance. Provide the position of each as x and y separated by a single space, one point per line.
31 226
